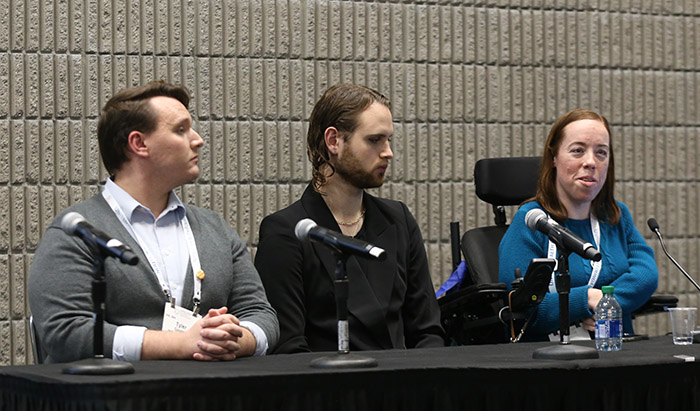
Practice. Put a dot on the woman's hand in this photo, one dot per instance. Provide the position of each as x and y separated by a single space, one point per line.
594 296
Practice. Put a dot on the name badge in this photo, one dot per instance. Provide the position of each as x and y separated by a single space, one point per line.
178 318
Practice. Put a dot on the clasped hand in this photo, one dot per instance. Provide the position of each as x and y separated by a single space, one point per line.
217 336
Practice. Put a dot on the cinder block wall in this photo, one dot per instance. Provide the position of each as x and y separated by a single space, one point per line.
468 80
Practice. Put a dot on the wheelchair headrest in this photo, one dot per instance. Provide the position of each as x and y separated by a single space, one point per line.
506 181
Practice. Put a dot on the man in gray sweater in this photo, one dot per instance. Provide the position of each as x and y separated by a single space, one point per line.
190 260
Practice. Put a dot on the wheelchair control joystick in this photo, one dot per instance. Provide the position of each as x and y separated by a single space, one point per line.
518 279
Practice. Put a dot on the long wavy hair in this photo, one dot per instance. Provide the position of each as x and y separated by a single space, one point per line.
338 107
603 205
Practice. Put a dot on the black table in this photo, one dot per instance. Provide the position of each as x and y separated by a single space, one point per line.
644 375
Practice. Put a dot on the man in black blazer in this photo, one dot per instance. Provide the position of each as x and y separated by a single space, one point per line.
391 303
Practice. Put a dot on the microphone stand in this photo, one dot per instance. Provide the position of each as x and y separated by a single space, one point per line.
673 260
564 350
696 337
343 358
98 364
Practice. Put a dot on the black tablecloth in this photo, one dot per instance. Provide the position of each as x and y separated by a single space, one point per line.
644 375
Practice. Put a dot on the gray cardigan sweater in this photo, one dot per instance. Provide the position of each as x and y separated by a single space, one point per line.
60 283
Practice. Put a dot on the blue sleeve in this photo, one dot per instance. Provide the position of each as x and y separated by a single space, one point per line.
518 246
634 287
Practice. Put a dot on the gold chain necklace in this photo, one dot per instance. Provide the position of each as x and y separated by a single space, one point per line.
362 214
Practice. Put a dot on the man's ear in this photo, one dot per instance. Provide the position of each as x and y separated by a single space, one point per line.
332 138
136 144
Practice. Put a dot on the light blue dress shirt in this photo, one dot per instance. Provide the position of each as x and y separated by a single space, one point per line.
165 238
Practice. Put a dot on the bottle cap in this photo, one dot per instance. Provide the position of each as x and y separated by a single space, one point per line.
608 289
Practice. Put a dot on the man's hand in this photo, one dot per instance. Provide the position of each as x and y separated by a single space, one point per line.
219 336
215 337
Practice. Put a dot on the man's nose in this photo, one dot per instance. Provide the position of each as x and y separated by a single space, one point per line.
197 141
386 152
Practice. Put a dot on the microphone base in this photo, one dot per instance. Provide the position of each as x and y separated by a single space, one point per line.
99 366
565 352
343 360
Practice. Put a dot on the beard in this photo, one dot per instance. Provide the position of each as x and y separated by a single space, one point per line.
350 169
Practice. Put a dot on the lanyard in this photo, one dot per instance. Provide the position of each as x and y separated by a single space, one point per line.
596 266
191 248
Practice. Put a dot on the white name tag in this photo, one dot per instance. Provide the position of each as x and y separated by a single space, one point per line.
178 318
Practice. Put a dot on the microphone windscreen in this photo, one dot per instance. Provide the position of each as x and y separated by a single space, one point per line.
653 225
70 221
303 227
533 217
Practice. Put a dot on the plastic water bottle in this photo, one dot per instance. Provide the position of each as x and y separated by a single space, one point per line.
608 322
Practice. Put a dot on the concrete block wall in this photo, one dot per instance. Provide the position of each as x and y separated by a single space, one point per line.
468 80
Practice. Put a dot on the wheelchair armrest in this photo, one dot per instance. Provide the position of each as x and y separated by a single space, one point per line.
470 315
474 296
656 304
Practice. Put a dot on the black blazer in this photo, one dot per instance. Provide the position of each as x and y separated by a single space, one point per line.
391 303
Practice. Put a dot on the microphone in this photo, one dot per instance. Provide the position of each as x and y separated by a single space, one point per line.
307 229
654 227
537 220
75 224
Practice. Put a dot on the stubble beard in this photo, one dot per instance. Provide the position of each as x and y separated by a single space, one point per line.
350 169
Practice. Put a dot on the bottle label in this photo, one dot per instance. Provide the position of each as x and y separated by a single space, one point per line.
615 328
601 329
608 329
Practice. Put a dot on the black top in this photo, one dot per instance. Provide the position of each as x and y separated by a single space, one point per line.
391 303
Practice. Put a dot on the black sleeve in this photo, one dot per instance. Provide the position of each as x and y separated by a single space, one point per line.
421 312
279 260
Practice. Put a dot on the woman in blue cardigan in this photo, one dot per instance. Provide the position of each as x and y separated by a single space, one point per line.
575 188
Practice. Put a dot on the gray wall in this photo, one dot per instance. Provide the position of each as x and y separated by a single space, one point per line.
468 79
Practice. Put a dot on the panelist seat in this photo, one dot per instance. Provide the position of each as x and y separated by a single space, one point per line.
471 315
36 344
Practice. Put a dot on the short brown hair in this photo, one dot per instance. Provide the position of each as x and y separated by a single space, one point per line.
603 205
338 107
126 111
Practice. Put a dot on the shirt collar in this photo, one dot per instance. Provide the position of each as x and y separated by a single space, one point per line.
128 204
